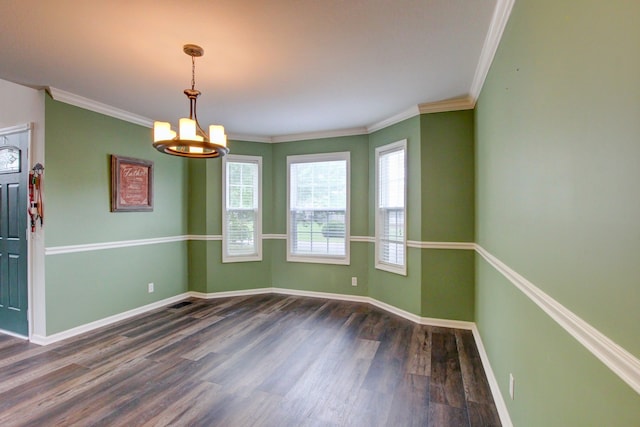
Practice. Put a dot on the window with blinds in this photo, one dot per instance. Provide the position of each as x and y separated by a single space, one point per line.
391 189
242 205
318 207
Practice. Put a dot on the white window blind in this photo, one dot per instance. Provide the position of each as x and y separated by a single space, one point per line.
242 208
391 207
318 222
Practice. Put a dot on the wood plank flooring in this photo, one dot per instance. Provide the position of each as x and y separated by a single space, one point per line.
265 360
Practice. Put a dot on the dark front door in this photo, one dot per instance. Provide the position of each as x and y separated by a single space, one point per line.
14 174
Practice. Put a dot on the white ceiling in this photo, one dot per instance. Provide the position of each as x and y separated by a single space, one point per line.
271 68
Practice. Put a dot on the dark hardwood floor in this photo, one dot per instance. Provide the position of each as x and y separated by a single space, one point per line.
266 360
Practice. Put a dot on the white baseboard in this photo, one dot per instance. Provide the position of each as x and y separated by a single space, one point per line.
430 321
501 405
446 323
50 339
13 334
229 294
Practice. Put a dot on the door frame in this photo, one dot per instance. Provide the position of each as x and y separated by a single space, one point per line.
28 127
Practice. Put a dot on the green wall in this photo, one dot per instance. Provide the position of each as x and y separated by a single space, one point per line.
399 291
207 272
440 206
188 201
447 197
439 283
322 277
88 286
557 154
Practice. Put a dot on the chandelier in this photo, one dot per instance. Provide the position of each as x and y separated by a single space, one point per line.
191 141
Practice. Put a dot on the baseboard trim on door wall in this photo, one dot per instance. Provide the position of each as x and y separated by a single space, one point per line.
13 334
69 333
501 405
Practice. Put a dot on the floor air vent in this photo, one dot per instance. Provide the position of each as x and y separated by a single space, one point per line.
181 304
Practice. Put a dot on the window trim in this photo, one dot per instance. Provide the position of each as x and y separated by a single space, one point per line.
321 259
226 257
380 264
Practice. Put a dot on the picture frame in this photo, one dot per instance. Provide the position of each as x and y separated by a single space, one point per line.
131 184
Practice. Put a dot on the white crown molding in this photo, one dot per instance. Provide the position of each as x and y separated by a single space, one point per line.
98 107
59 250
498 399
441 245
249 138
454 104
50 339
491 42
412 111
319 135
616 358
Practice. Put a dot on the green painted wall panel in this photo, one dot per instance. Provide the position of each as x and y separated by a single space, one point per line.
557 171
188 201
320 277
410 130
558 382
237 276
447 204
403 292
198 261
85 287
77 151
447 176
213 212
207 272
557 154
197 218
448 279
88 286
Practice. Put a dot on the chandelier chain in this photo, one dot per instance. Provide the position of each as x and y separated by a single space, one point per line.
193 72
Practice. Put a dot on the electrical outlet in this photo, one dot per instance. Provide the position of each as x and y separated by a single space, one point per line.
354 281
150 287
511 385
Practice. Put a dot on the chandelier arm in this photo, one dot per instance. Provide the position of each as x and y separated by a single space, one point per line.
192 109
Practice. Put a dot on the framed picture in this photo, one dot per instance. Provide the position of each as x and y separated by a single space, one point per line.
131 184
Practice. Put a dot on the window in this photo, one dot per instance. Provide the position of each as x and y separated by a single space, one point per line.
242 208
318 208
391 189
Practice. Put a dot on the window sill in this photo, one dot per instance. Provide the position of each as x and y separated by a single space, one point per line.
401 270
